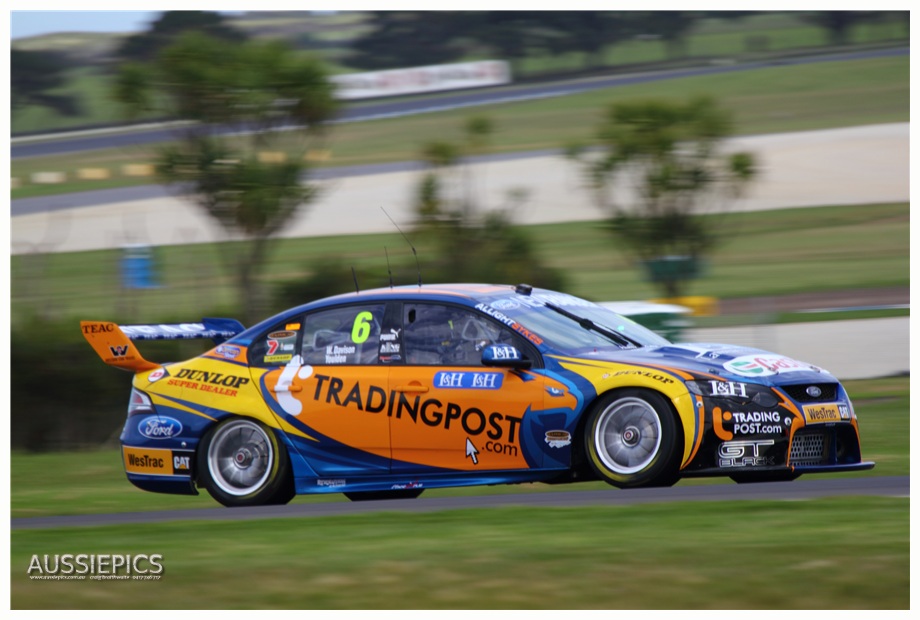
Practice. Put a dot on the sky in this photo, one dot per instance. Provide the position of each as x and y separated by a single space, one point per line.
31 23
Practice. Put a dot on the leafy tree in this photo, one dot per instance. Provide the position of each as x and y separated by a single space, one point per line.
732 16
33 78
671 155
399 39
672 26
838 24
512 35
590 32
257 89
146 45
130 88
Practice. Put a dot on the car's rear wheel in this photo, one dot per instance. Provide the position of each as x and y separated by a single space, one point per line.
242 463
366 496
632 439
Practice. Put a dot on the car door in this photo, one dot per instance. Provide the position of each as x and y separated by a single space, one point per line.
449 411
327 388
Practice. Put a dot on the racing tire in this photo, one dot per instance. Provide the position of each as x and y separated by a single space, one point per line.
242 463
763 476
367 496
632 439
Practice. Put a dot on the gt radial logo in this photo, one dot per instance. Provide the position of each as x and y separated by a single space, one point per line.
763 365
745 453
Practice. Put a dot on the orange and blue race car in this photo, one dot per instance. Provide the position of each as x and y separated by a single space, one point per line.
384 393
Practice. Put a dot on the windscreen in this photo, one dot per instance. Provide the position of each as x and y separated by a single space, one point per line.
564 333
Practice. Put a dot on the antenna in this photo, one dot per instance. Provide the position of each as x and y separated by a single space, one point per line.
354 277
414 253
388 265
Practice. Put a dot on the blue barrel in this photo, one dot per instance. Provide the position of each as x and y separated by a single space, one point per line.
137 268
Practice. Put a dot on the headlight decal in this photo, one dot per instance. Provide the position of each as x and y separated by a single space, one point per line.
735 394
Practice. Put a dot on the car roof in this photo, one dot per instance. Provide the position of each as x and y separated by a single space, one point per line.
474 292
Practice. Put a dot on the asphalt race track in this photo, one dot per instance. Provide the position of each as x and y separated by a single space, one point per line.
896 486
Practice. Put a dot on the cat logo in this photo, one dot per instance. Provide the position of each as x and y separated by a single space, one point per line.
181 463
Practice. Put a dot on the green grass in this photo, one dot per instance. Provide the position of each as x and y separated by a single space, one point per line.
768 100
764 253
841 553
94 481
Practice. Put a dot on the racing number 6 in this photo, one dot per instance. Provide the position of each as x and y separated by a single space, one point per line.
362 327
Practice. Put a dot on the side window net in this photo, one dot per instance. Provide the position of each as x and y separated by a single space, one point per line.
438 335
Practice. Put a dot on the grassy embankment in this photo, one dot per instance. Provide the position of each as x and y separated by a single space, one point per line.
768 100
841 553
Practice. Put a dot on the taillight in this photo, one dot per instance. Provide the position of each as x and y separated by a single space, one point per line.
139 402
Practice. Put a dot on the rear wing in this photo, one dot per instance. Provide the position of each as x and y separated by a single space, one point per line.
113 343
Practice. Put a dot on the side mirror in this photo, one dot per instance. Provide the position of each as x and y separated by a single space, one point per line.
504 356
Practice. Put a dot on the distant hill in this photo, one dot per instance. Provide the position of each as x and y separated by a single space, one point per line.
80 47
303 29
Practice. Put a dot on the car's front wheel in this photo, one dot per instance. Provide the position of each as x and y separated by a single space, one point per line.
632 439
242 463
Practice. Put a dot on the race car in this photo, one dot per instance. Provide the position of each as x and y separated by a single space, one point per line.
384 393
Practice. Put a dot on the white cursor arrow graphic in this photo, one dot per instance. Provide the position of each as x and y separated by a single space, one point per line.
471 451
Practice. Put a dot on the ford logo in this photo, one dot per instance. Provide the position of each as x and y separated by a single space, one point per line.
159 427
813 390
